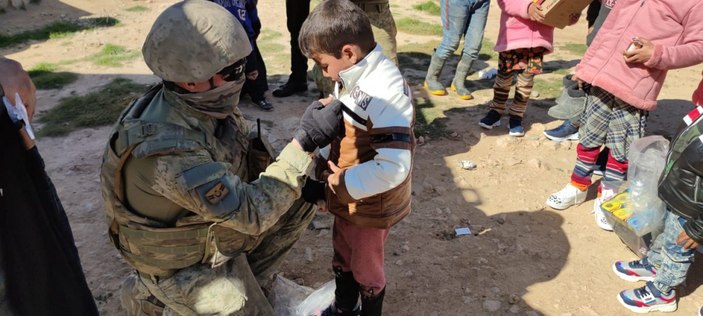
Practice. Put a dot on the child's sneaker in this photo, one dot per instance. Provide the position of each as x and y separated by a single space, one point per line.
601 220
565 131
568 196
633 271
491 120
648 299
515 126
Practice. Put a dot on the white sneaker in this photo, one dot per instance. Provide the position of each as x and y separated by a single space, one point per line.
568 196
601 220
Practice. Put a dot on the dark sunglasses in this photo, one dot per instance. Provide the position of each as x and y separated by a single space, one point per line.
234 71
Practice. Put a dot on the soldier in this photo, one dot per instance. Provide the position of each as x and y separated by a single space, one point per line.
192 202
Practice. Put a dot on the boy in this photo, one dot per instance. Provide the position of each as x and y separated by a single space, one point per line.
671 254
368 186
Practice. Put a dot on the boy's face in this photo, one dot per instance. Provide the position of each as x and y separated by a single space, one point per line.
331 66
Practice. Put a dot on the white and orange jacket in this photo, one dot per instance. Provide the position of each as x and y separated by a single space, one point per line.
376 151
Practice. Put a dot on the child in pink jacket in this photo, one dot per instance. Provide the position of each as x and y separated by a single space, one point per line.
522 43
626 66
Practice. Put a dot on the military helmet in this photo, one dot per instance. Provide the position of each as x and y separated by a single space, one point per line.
194 39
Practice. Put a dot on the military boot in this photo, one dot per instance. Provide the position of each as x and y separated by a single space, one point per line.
462 70
432 79
372 305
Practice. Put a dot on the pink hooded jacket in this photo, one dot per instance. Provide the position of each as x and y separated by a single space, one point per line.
518 31
675 27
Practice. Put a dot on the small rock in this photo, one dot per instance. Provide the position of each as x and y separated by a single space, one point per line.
318 224
300 281
467 299
491 306
308 255
421 140
323 232
467 165
409 273
514 309
454 135
513 299
534 94
399 262
405 248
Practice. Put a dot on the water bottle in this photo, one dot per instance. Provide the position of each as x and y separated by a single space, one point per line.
488 74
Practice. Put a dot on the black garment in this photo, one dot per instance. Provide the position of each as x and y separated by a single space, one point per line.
39 257
592 12
602 15
296 13
681 183
257 87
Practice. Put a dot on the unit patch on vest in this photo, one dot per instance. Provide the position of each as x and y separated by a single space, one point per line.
217 193
361 98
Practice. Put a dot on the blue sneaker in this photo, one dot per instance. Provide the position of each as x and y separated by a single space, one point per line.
491 120
633 271
648 299
565 131
515 126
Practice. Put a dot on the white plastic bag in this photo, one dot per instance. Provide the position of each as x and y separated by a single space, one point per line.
290 299
647 157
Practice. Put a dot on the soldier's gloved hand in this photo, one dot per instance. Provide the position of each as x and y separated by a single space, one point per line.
319 125
314 191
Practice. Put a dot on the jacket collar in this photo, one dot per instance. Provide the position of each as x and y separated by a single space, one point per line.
351 75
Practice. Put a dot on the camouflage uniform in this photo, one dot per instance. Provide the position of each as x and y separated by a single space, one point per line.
192 201
384 32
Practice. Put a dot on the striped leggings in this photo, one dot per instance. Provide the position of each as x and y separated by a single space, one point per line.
501 89
615 170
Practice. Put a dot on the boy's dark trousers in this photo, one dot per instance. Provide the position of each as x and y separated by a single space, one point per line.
296 13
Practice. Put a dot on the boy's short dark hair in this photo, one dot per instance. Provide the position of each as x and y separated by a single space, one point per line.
333 24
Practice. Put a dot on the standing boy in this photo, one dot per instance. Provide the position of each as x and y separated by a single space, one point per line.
368 186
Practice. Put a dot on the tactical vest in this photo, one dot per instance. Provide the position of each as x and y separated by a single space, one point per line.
148 245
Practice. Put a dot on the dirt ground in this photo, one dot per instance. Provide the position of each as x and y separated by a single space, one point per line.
528 260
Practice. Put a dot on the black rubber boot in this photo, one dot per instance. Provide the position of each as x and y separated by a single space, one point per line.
346 295
372 305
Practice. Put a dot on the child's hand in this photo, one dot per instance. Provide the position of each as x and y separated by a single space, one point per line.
641 52
332 169
685 241
534 11
253 75
327 100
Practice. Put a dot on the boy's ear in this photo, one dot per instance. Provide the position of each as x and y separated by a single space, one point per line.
351 52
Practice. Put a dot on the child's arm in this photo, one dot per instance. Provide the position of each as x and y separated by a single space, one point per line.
517 7
688 53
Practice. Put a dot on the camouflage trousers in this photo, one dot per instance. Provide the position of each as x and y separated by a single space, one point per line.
384 32
233 288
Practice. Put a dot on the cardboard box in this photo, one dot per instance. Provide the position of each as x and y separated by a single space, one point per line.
558 13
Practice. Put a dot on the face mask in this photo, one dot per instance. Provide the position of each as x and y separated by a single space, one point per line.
218 102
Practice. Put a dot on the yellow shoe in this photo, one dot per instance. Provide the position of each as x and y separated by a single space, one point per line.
467 96
441 91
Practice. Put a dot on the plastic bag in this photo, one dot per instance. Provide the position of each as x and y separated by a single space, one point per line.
647 157
290 299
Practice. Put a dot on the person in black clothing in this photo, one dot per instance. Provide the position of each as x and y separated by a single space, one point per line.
296 13
40 271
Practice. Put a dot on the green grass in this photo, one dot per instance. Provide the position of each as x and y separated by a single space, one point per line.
430 7
56 30
95 109
268 35
548 88
137 8
45 76
429 120
113 55
415 26
486 52
576 48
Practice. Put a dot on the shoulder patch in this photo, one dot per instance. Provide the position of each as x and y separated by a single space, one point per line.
216 193
693 115
361 98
